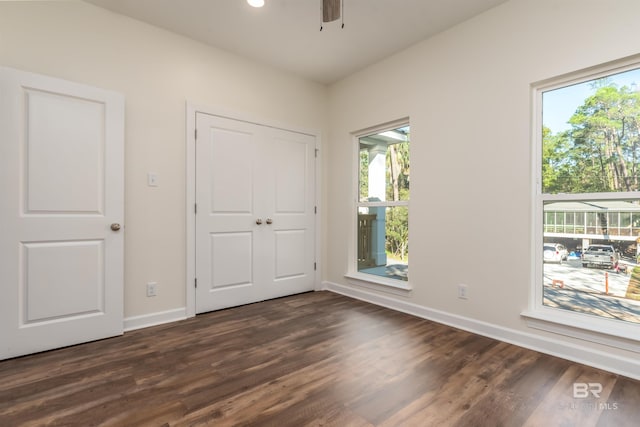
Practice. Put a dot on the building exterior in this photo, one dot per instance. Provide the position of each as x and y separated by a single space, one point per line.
614 221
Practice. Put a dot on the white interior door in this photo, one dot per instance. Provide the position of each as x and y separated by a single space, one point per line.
255 221
61 181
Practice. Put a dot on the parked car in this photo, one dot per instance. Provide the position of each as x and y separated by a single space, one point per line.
601 256
554 252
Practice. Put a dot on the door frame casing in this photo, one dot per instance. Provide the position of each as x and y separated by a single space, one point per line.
190 119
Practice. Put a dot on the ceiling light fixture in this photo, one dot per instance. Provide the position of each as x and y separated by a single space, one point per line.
331 10
256 3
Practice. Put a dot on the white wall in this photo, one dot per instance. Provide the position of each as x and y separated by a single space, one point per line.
157 72
467 93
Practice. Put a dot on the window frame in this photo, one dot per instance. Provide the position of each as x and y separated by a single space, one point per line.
353 275
611 332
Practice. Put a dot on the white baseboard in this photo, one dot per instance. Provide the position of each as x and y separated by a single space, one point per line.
153 319
555 347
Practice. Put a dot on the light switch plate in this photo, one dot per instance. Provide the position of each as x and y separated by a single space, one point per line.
152 289
152 179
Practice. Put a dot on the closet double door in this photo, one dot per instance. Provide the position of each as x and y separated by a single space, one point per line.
255 212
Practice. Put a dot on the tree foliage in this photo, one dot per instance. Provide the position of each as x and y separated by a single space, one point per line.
397 225
397 231
398 171
600 153
364 174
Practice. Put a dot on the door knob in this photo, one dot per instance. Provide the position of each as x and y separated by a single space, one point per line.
115 226
258 221
269 221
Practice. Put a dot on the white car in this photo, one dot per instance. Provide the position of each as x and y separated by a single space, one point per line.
554 252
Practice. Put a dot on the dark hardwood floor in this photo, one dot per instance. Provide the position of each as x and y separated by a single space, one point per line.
310 359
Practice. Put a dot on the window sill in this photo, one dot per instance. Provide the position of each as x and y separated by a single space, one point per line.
609 332
379 283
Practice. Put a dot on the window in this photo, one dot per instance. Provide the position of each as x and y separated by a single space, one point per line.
587 199
383 205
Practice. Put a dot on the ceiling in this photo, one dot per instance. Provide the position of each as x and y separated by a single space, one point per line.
286 33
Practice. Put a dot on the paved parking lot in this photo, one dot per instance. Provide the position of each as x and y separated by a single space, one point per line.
584 291
592 303
586 279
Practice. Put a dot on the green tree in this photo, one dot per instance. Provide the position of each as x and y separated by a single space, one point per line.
557 171
397 230
397 219
364 174
600 152
397 160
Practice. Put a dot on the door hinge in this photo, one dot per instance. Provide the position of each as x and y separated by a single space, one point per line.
315 209
315 266
195 134
195 208
317 149
195 281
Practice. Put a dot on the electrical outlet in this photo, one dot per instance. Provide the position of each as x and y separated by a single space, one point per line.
462 291
152 289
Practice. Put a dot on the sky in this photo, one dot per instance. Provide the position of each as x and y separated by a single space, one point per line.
559 105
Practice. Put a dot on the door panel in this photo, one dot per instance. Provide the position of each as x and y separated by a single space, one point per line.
255 222
289 253
231 259
65 154
231 180
290 158
54 270
61 177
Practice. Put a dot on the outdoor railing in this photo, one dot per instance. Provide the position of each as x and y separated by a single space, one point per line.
365 239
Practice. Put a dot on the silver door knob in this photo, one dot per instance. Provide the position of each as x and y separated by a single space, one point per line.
269 221
115 226
258 221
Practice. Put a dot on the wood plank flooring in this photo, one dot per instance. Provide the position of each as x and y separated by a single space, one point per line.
317 359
